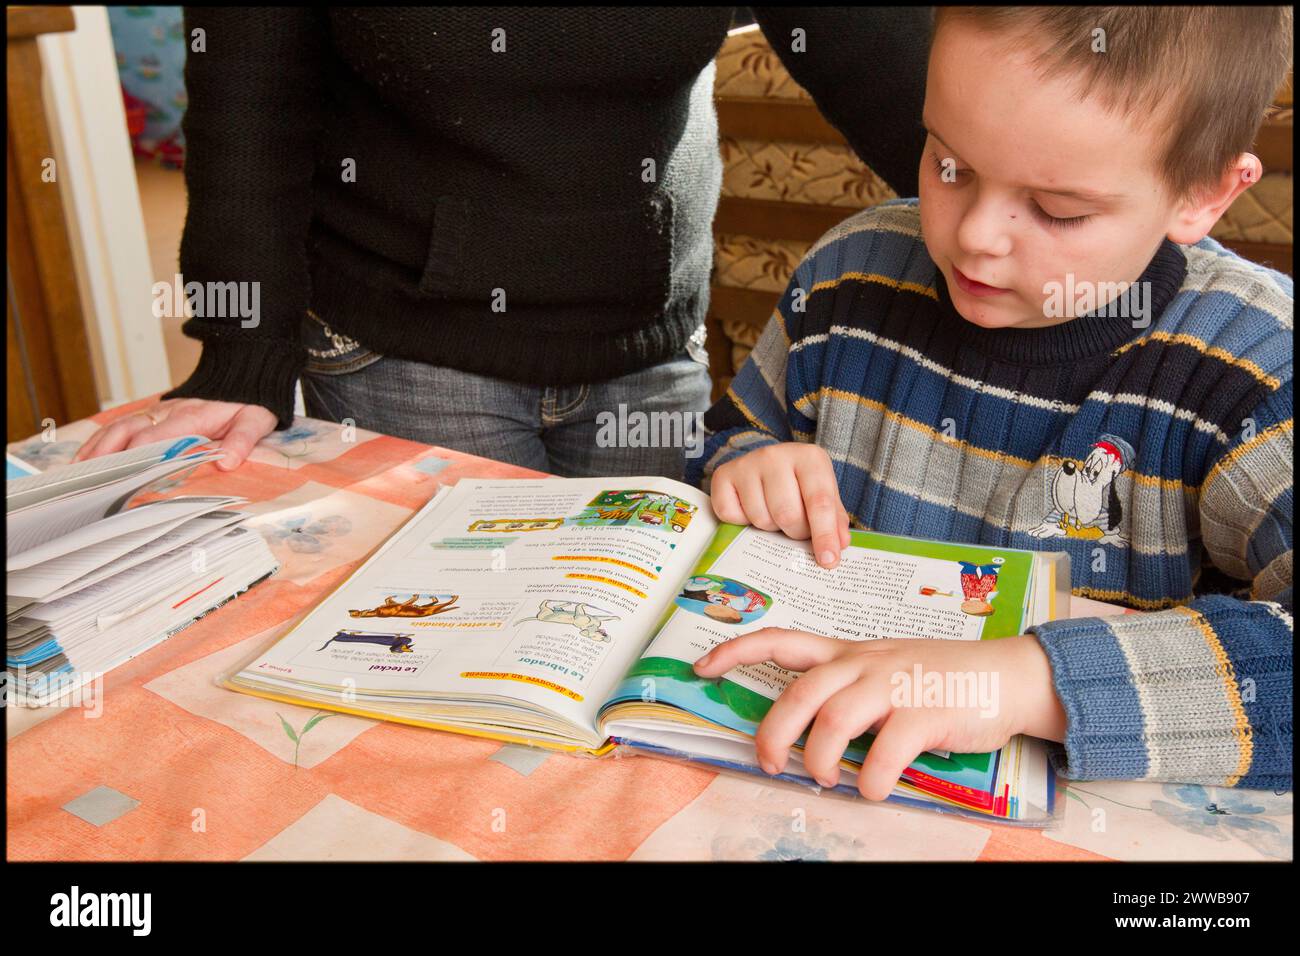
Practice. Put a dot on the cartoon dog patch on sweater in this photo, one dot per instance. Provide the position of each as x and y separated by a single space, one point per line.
1085 501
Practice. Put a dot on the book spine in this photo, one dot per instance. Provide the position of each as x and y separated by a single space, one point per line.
966 796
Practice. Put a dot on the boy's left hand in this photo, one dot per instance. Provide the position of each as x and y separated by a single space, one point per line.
850 687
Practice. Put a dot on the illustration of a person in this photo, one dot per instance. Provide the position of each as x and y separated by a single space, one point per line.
978 583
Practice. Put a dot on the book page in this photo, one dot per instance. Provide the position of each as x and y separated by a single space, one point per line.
193 531
31 525
34 486
118 533
171 604
542 591
883 587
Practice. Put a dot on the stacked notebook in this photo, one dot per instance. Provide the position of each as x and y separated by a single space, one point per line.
94 575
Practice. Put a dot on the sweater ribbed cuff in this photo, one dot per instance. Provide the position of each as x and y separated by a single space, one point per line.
255 373
1198 694
1104 719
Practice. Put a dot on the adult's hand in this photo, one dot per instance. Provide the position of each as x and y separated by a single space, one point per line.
236 426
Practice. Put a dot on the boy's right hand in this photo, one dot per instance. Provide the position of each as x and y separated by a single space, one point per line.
238 427
788 487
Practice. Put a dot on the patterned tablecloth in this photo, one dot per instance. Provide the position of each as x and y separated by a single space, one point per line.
164 765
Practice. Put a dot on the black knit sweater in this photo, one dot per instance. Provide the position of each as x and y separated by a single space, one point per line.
500 220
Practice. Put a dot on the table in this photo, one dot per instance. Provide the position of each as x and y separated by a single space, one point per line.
165 765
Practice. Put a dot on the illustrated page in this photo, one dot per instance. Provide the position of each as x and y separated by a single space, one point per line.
883 587
542 591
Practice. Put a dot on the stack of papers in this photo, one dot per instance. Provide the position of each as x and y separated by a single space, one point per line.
91 580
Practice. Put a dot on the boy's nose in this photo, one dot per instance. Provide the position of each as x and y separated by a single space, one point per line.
983 229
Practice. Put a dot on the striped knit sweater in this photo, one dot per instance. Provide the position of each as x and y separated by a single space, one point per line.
1149 454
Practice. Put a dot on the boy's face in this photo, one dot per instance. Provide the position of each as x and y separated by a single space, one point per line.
1045 184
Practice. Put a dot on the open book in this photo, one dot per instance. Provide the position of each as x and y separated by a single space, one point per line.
568 613
95 576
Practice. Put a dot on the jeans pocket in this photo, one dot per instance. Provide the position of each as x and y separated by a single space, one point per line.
330 352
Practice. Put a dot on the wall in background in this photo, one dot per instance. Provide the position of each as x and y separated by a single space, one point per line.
102 200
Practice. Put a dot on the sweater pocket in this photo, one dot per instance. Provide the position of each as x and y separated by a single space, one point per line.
489 253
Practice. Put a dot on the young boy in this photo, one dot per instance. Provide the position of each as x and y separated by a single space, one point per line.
961 367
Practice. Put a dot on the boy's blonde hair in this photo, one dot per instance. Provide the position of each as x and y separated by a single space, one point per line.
1207 75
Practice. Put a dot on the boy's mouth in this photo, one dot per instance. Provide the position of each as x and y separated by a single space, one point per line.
971 287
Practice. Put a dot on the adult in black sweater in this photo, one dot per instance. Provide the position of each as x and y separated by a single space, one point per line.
521 195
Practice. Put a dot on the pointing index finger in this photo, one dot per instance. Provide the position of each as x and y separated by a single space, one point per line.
821 500
793 650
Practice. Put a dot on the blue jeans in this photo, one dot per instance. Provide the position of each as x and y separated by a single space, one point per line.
572 431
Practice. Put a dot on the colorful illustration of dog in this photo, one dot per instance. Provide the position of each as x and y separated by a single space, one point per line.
1086 503
396 643
586 619
408 608
978 583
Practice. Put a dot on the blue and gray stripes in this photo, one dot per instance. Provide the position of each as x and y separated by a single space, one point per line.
1159 457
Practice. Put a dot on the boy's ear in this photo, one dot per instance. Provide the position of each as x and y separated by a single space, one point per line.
1198 214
